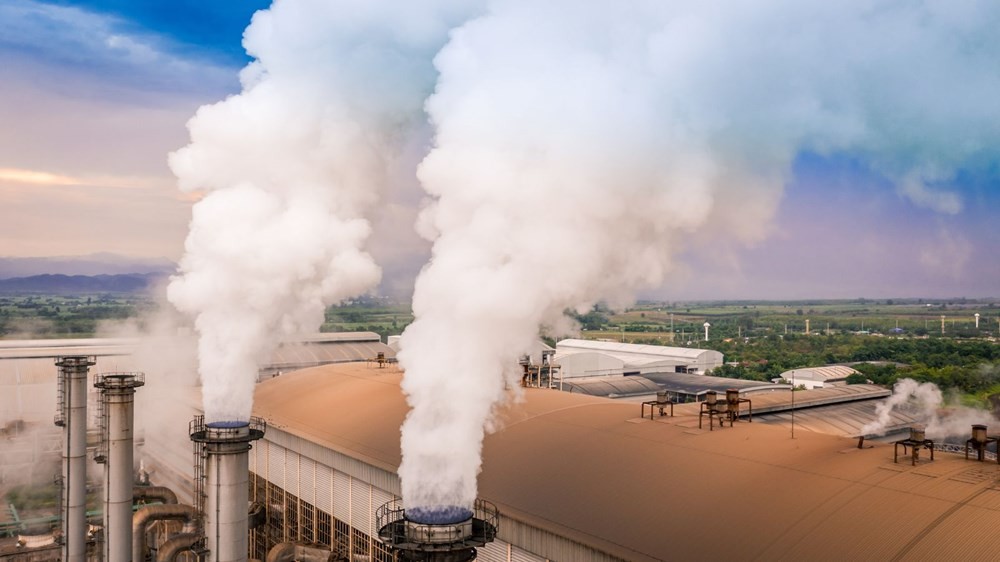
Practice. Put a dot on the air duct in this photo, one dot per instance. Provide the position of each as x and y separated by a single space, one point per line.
153 493
73 418
224 477
177 544
150 513
118 399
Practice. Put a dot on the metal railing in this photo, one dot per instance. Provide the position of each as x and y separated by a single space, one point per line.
398 531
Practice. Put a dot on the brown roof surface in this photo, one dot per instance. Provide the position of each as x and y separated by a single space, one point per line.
589 469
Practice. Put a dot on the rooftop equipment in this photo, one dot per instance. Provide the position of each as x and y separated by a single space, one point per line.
118 413
979 442
662 401
734 401
916 441
714 408
436 534
222 476
72 416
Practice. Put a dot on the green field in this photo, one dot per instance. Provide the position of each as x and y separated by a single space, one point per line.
760 340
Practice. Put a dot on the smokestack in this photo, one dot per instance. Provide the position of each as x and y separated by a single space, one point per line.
223 447
118 398
73 418
436 534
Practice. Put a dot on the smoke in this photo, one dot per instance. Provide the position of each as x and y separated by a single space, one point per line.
292 168
925 403
580 146
925 397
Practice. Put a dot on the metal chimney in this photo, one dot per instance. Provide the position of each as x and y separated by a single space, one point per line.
118 399
223 448
73 418
436 534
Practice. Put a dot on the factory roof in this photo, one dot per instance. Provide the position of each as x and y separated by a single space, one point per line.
632 349
700 384
611 386
591 470
823 374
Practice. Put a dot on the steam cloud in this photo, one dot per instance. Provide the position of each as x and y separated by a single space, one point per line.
580 145
292 167
925 403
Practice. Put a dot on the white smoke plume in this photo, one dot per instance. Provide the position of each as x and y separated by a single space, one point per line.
579 145
925 403
292 167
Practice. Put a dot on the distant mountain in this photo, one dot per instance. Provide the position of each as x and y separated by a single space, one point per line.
77 284
91 265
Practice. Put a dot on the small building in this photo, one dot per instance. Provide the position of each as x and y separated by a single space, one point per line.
582 358
817 377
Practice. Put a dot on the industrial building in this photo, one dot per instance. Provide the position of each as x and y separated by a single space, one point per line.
585 358
584 478
573 477
817 377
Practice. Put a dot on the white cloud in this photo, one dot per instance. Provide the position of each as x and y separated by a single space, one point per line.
948 255
53 43
939 200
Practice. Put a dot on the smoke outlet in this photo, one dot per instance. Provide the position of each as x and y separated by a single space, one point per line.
437 533
116 447
222 476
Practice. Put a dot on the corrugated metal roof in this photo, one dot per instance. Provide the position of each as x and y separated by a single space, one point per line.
590 469
612 386
700 384
830 372
633 349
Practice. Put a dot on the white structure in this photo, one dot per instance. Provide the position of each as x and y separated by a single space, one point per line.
581 358
73 417
118 395
817 377
707 326
977 320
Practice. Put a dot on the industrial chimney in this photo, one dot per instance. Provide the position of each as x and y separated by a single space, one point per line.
436 534
117 431
222 476
72 416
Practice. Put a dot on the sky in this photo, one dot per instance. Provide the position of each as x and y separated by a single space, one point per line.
96 94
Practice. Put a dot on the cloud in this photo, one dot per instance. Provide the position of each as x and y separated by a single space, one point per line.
58 45
35 177
941 201
948 255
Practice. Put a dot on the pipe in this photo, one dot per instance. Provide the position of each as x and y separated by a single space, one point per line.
172 548
147 514
147 493
118 394
291 552
226 447
73 370
227 470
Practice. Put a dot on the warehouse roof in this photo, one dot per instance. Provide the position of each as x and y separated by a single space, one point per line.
700 384
590 469
632 349
612 386
823 374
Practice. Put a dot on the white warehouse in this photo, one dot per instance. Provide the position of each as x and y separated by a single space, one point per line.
584 358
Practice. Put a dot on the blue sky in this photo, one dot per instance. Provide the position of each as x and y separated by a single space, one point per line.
96 93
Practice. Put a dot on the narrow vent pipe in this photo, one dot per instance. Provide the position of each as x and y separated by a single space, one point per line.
118 396
73 379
